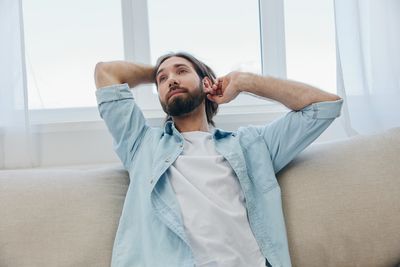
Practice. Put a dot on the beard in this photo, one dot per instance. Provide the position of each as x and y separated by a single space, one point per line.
184 103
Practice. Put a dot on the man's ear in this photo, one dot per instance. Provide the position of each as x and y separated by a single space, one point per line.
207 83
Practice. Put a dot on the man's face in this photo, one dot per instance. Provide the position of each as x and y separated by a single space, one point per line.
180 90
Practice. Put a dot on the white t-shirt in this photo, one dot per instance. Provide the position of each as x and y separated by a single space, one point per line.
213 206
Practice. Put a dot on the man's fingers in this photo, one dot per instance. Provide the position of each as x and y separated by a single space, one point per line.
213 98
216 89
216 85
208 90
219 99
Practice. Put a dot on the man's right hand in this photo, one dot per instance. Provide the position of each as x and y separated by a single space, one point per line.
118 72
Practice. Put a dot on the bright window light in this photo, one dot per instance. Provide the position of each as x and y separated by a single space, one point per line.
225 33
63 42
310 43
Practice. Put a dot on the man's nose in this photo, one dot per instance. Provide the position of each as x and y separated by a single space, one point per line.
172 82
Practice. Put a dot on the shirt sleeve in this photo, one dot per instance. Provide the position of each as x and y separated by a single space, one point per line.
289 135
124 119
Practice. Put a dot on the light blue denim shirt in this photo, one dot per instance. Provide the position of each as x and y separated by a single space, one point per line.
151 231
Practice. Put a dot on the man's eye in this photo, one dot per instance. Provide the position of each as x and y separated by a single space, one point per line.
181 71
162 78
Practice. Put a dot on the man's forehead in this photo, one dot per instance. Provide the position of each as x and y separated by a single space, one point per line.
174 62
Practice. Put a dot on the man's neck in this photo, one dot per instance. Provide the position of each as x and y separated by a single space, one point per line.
193 121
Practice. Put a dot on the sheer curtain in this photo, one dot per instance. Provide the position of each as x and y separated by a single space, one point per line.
368 46
16 142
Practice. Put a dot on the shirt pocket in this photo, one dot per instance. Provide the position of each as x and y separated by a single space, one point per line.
259 165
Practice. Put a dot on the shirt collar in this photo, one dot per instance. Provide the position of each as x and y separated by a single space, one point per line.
217 133
168 127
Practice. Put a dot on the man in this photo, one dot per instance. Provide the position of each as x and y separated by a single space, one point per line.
201 196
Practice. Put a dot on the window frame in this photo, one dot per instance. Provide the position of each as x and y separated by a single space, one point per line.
137 49
272 44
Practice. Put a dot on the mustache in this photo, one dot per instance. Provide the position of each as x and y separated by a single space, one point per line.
176 89
172 90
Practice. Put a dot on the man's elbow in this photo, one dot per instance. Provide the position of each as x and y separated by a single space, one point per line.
103 75
99 73
325 96
311 99
335 97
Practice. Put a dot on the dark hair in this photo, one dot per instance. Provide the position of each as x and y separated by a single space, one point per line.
202 71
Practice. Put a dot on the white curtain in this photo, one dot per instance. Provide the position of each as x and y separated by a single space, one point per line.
368 53
15 135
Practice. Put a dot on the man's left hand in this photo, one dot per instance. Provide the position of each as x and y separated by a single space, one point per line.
225 88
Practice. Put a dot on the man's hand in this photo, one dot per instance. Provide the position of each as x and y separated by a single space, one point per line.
225 88
292 94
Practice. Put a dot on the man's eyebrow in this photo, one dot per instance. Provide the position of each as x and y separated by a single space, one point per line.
175 66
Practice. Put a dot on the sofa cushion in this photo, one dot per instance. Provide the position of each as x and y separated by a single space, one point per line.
60 216
342 202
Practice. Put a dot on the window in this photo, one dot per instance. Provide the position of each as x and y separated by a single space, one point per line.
310 43
220 39
63 42
226 40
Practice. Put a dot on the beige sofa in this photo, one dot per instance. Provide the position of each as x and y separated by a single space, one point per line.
341 202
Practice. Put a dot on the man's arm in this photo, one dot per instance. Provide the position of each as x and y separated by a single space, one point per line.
313 110
117 107
119 72
292 94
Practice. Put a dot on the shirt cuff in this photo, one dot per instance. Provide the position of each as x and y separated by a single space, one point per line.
324 110
113 93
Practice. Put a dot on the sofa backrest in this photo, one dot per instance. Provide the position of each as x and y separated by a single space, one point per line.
342 202
60 217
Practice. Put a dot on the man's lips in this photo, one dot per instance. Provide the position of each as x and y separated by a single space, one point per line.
176 91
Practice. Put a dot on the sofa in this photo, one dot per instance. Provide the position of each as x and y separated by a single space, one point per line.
341 203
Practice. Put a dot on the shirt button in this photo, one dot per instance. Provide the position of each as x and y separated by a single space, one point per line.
151 180
181 146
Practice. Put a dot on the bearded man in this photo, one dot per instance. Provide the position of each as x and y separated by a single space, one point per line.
199 195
